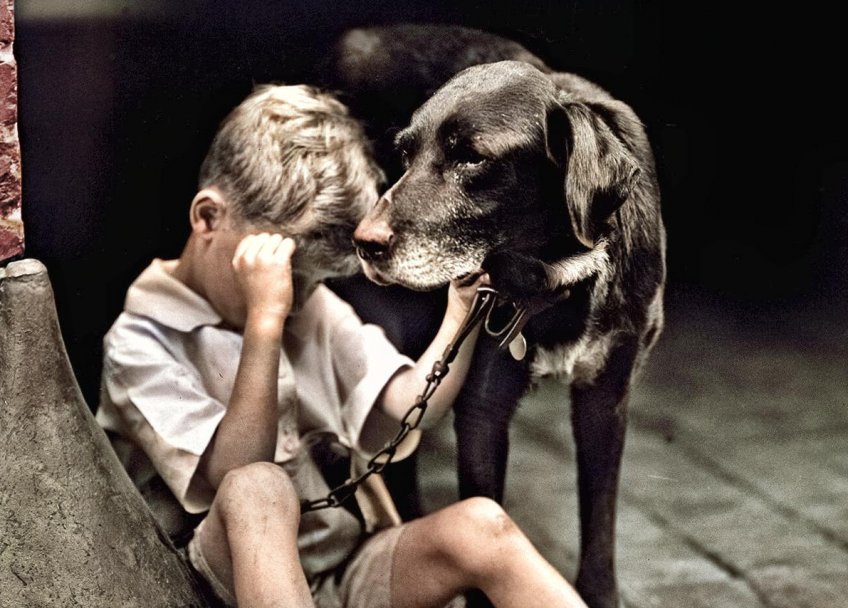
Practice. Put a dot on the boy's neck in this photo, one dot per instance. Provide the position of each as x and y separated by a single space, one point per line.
185 270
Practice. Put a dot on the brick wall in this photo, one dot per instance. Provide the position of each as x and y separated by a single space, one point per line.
11 224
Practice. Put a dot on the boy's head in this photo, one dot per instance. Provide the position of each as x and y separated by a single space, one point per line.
291 159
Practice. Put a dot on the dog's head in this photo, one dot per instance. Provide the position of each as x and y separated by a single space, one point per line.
498 159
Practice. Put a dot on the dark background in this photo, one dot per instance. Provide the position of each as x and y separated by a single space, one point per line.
743 107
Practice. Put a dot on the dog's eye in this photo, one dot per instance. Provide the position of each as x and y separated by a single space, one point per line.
462 153
404 158
467 156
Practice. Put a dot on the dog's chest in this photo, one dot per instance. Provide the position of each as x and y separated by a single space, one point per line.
561 343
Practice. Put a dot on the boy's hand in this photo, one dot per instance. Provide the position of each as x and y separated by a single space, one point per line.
394 400
461 294
262 263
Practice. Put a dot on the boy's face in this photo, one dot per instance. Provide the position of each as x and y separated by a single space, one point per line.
324 249
221 286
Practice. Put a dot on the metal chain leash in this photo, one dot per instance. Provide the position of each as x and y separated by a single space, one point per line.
484 302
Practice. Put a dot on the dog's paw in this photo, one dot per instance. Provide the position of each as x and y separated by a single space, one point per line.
518 277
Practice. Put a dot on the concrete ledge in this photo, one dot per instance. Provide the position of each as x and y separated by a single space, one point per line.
73 529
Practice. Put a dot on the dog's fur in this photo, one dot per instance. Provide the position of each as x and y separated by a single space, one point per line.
548 183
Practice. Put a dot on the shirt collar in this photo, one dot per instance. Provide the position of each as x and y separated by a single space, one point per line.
156 294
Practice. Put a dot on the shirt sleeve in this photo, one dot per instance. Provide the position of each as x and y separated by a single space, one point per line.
161 406
365 361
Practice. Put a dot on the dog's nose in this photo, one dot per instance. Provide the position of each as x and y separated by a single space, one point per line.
373 240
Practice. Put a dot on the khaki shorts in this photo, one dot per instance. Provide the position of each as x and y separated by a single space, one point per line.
365 582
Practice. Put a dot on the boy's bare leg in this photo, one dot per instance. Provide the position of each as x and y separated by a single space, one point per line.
249 538
474 544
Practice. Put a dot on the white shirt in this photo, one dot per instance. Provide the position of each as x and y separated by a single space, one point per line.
169 368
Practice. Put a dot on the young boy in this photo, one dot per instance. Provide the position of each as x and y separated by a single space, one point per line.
230 364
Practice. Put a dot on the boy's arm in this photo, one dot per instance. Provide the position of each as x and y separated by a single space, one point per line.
400 392
248 431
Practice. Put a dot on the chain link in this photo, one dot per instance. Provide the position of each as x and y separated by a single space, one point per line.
480 308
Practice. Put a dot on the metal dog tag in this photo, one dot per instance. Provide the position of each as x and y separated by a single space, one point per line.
518 347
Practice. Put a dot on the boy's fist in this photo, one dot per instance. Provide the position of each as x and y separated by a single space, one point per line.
262 263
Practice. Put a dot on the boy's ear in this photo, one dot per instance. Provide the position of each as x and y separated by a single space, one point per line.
207 213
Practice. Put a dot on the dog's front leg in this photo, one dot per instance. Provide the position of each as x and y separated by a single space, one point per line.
483 411
482 414
599 418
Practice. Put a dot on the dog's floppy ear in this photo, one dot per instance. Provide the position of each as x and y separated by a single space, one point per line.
587 140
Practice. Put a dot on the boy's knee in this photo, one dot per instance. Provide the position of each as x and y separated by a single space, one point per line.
478 531
486 519
257 487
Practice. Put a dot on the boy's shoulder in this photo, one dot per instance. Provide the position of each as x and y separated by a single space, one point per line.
159 311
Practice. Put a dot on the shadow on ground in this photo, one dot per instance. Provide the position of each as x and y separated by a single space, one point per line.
734 488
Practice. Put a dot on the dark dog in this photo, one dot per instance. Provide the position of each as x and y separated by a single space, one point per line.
548 183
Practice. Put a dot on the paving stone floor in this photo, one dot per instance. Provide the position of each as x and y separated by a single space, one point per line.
735 478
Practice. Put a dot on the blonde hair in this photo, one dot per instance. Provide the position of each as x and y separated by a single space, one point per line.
287 153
